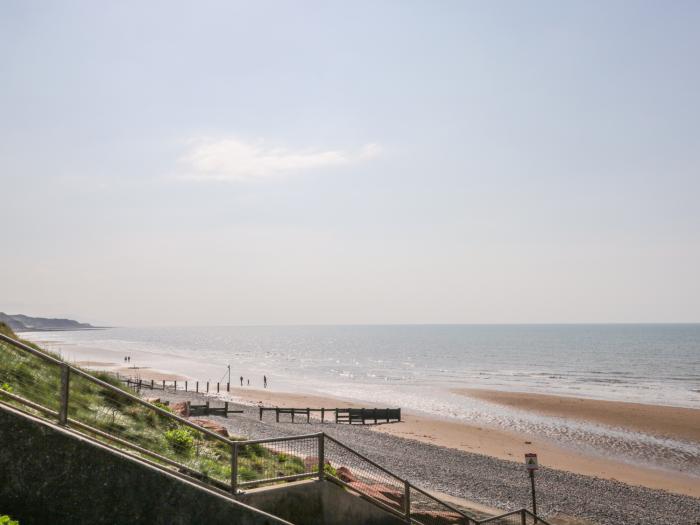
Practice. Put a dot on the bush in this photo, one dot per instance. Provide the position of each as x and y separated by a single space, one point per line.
180 440
7 388
6 520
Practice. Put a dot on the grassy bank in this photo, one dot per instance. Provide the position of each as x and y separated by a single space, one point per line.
38 380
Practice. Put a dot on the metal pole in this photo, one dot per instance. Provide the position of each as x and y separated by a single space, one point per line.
65 383
321 457
534 498
407 500
234 468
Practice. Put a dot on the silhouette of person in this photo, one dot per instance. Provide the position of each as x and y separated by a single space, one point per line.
241 380
248 382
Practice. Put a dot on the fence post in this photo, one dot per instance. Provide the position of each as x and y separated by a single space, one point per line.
197 386
152 383
206 408
336 415
308 415
185 386
163 385
65 383
175 383
217 387
407 501
207 387
228 387
523 517
234 468
321 456
277 414
323 414
225 408
260 413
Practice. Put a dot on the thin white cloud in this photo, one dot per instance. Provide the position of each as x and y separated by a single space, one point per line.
231 159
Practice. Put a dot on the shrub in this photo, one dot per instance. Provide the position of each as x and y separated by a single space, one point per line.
6 520
180 440
7 388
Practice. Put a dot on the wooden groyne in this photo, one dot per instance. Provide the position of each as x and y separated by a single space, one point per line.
349 416
187 386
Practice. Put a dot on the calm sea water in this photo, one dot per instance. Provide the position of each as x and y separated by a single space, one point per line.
416 367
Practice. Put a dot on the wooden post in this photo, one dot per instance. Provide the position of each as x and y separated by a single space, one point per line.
375 416
206 408
323 414
277 414
321 458
197 386
65 384
293 415
185 386
140 382
152 384
207 387
163 385
336 415
175 383
225 408
523 517
228 387
308 415
234 468
261 411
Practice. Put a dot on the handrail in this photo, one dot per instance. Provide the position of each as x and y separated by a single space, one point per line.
522 512
278 439
451 507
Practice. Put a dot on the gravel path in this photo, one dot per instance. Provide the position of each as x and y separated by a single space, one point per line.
483 479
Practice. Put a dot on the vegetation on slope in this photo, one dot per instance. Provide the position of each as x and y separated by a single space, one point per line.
38 380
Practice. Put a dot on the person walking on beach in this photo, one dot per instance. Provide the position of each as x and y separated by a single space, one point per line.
248 382
264 381
241 380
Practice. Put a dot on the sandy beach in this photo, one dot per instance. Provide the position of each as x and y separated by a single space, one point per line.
662 421
510 446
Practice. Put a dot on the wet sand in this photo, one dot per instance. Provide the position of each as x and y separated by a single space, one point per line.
679 423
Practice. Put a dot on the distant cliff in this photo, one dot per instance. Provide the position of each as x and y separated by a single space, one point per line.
24 323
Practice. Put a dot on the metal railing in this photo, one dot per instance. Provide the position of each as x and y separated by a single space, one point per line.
43 385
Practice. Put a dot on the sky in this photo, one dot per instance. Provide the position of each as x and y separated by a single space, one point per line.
228 163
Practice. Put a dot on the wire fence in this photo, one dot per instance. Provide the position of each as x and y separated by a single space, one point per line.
265 461
97 405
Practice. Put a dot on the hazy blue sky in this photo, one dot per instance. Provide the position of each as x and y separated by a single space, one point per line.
356 162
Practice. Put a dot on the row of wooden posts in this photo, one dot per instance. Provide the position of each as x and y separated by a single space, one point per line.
140 384
341 415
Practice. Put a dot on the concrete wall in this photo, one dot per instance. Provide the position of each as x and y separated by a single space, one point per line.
48 475
318 502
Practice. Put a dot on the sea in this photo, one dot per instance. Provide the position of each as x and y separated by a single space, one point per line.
418 367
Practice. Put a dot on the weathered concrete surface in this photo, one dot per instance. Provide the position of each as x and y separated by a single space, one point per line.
48 475
318 502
